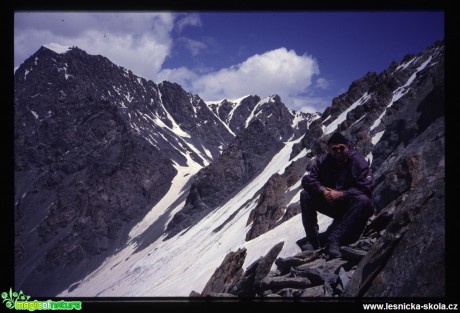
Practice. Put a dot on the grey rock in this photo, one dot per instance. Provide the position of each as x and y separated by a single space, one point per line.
227 274
286 264
277 283
343 278
351 254
250 283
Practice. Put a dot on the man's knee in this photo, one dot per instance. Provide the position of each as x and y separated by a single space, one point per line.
309 199
304 196
363 203
304 200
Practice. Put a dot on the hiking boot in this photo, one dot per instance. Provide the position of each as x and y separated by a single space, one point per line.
308 245
333 250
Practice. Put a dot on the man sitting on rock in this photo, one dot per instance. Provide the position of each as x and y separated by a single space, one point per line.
339 185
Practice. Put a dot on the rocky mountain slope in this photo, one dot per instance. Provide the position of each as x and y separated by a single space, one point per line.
396 118
96 147
113 172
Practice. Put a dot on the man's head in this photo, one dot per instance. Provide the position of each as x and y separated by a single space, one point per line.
338 147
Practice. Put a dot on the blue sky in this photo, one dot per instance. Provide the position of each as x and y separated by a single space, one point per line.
306 57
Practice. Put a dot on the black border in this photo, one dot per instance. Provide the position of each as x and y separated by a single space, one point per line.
214 304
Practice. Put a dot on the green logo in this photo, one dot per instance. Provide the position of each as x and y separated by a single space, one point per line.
20 301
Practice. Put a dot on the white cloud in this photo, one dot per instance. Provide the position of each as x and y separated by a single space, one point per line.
322 83
182 76
277 71
194 46
188 20
307 104
143 55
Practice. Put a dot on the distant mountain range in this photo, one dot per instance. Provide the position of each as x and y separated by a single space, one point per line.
125 187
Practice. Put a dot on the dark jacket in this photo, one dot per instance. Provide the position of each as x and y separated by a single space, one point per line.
353 179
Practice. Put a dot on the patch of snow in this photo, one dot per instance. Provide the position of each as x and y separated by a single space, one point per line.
343 116
297 119
369 158
180 180
377 137
128 97
252 115
405 64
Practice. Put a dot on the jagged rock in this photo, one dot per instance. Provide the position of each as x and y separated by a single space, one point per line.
89 162
320 271
324 290
378 222
419 153
286 264
250 283
277 283
343 278
286 293
241 113
421 215
195 294
271 208
364 243
227 274
353 255
355 91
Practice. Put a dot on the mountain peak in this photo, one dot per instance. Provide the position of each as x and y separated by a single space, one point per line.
58 48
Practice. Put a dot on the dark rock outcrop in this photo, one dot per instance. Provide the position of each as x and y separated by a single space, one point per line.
411 253
247 284
227 275
195 118
272 208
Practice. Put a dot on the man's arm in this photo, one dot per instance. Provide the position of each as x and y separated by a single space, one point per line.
311 181
363 179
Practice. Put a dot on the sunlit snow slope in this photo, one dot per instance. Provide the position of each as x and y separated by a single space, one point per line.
186 262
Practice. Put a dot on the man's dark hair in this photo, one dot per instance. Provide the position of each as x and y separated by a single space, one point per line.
337 138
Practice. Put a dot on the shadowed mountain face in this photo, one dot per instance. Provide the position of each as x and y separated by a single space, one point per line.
97 147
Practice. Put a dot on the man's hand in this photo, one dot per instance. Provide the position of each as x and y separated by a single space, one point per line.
332 195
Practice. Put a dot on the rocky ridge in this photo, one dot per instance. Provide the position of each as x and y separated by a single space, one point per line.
268 125
396 119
